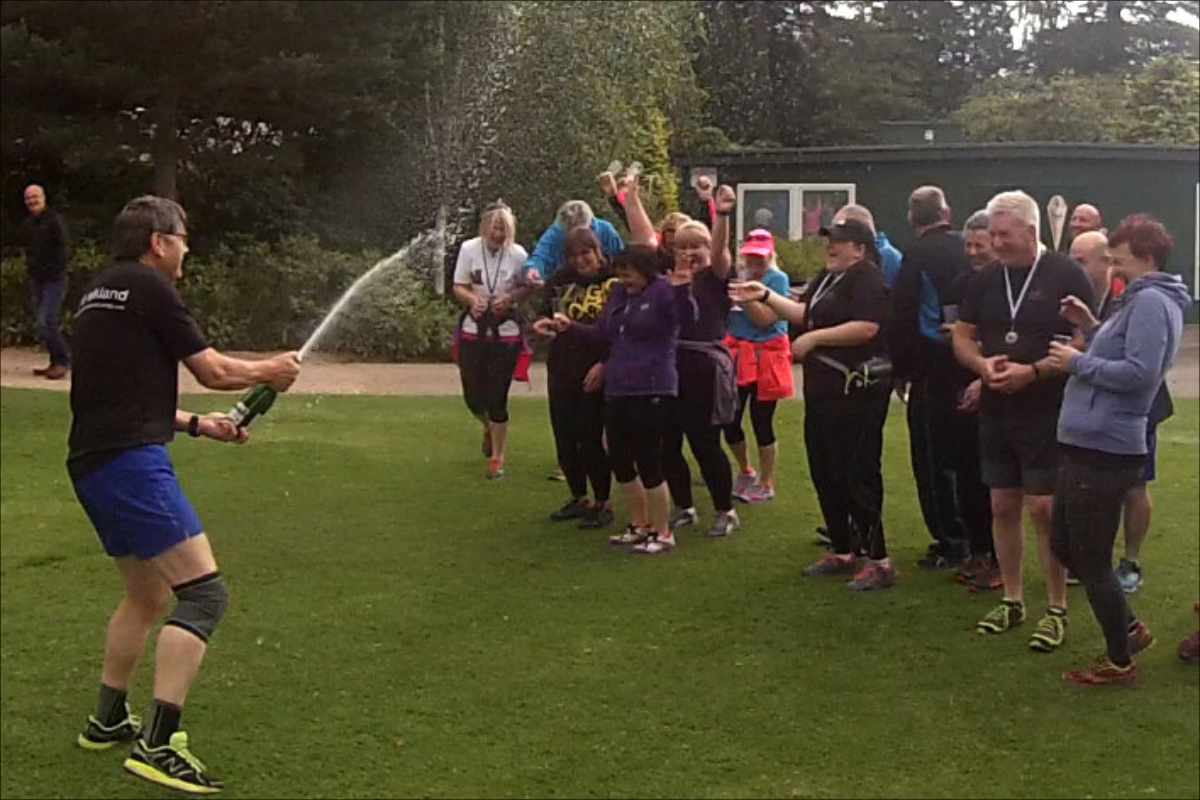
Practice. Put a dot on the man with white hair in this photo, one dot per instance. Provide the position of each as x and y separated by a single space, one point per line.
550 252
1007 320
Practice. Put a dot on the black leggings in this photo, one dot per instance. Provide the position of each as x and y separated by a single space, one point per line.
577 418
637 429
1088 501
486 367
844 440
762 415
705 442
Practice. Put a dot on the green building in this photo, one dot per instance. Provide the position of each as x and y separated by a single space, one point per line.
793 192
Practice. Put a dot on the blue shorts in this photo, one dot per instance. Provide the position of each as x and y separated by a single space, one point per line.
1151 448
136 504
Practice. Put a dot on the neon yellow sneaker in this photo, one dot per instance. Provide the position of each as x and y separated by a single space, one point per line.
1050 633
172 765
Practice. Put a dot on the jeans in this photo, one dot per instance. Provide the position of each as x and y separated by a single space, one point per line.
46 299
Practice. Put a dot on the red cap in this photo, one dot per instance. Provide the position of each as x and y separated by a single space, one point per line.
759 242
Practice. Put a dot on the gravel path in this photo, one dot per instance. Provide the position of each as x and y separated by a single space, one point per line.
324 374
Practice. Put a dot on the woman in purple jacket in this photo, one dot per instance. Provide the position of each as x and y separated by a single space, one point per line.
640 323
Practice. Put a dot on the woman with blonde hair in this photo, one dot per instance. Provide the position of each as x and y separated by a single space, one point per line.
488 284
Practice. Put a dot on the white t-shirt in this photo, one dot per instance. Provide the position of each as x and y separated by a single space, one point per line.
489 274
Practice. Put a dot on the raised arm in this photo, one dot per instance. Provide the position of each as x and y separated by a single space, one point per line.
1146 345
641 229
722 261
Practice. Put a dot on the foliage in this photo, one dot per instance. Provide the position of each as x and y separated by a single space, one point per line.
1159 104
1163 103
801 259
252 295
401 627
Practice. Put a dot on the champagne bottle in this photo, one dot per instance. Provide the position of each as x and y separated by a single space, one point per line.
253 404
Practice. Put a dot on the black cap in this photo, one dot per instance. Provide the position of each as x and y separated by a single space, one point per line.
849 230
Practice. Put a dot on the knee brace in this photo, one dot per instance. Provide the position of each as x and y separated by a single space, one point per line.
201 604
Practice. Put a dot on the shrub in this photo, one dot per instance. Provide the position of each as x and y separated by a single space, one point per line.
802 259
253 295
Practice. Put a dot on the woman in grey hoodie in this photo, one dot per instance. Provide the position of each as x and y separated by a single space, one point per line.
1102 428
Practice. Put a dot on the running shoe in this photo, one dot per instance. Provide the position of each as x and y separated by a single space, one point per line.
631 535
831 564
597 516
656 545
1129 575
1006 616
1140 638
726 523
575 508
1050 633
742 484
97 736
1101 672
938 556
1189 649
758 494
172 765
495 469
1071 579
987 580
683 517
873 576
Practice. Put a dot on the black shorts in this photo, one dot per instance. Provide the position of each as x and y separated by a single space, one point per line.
1019 452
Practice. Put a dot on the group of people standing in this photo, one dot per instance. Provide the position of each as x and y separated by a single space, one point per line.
1027 388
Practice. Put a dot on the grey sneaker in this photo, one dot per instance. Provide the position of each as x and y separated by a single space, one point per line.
1129 575
726 523
682 517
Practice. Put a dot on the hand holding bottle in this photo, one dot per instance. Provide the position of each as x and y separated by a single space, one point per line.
285 368
222 428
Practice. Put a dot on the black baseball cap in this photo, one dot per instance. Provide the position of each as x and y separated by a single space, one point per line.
849 230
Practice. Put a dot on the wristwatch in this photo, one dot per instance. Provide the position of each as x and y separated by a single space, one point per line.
193 427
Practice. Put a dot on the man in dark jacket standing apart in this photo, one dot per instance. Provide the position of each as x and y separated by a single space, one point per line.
45 238
924 294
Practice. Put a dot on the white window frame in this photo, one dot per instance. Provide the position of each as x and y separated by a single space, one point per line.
795 201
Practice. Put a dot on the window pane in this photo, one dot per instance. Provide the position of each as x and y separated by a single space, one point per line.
819 207
766 208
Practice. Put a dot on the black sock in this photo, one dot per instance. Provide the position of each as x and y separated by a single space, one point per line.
110 709
164 721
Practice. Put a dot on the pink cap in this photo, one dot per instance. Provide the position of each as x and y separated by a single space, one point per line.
759 242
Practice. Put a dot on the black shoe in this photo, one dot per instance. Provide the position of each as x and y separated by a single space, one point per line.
101 737
572 509
823 539
598 516
937 558
172 765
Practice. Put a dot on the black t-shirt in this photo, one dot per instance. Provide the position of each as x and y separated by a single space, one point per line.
985 305
582 299
131 332
857 295
710 295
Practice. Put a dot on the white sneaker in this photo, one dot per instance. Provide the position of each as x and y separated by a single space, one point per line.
682 517
726 523
656 545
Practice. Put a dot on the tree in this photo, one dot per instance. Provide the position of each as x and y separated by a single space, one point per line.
1159 104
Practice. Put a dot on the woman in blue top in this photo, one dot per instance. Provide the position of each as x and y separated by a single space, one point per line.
758 339
1102 429
640 323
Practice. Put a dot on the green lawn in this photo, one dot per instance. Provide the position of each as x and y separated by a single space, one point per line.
400 626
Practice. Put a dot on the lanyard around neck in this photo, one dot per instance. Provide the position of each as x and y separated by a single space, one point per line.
1014 307
490 279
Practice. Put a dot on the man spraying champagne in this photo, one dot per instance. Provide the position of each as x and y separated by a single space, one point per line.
131 331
